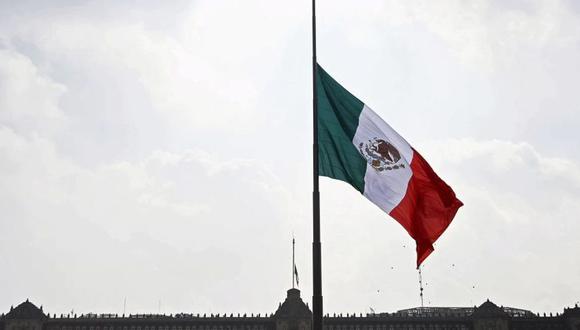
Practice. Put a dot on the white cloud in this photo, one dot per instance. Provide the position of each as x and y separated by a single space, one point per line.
488 35
205 73
29 100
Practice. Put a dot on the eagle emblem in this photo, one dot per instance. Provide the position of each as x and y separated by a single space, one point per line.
380 154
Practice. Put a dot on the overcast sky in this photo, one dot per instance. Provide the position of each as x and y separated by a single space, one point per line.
160 151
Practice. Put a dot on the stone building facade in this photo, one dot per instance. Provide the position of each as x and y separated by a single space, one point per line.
294 314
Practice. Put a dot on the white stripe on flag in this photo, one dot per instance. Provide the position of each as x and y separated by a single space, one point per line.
385 184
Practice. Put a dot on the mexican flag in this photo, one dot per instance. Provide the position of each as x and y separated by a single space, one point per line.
358 147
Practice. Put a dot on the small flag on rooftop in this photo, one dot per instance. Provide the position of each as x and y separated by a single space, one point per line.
296 274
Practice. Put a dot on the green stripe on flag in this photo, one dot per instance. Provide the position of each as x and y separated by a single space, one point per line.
338 114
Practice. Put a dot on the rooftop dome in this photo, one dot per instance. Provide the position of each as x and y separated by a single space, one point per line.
293 306
26 310
489 309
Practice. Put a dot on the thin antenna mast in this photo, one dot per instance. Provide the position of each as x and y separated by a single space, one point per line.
420 285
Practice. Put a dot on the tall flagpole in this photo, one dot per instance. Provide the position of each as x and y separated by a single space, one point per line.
316 254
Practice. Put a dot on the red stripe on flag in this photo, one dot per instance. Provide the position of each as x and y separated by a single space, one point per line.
428 207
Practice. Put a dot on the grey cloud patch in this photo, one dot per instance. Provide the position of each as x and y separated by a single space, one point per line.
521 208
518 227
169 217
